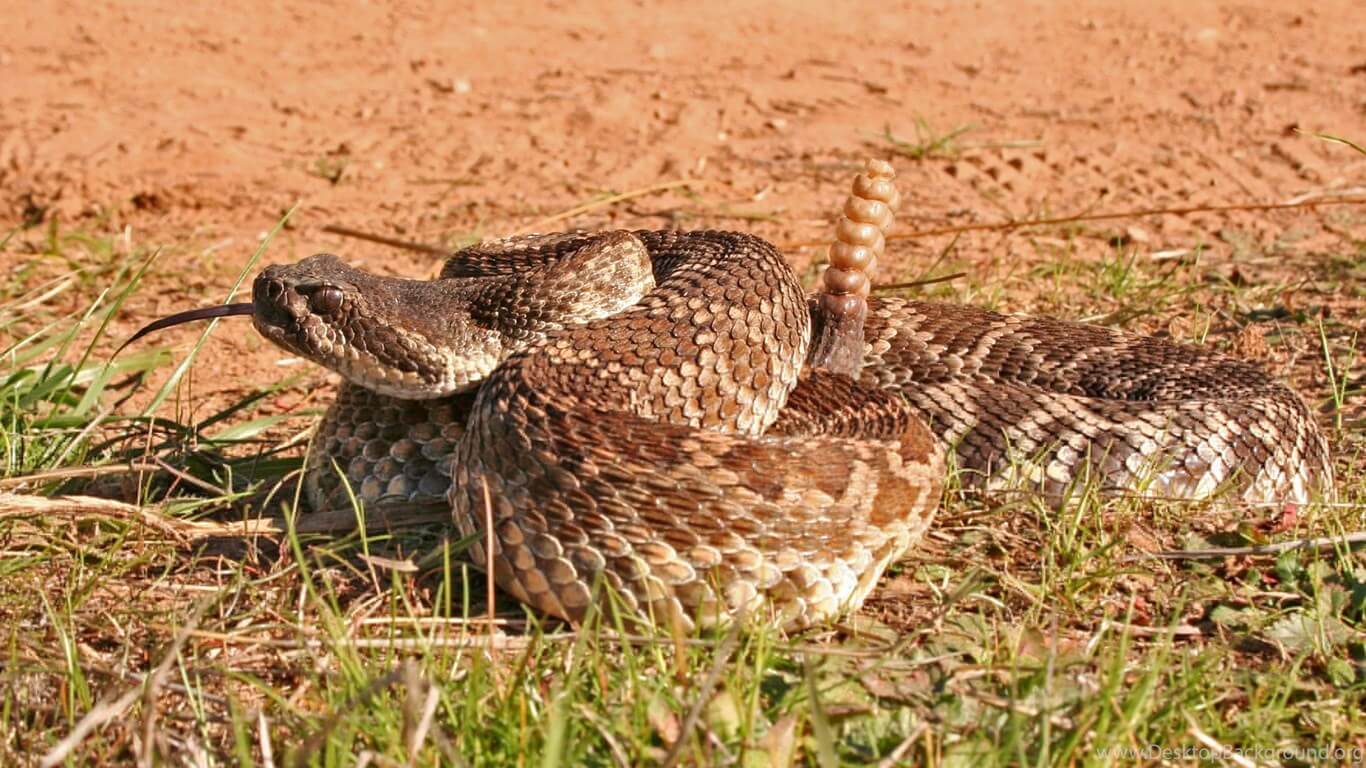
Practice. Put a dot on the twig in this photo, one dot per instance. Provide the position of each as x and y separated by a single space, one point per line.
263 738
605 731
504 642
489 596
1319 194
186 477
992 700
1116 493
157 464
379 519
918 283
1321 543
576 210
893 758
436 250
1138 630
20 505
437 622
1000 226
73 472
1220 751
101 714
703 695
1004 226
1134 214
419 709
140 678
392 242
521 642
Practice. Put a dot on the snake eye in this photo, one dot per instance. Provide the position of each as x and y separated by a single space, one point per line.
325 300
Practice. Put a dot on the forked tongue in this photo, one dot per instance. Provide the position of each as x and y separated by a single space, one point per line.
189 315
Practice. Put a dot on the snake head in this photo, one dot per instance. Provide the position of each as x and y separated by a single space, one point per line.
405 338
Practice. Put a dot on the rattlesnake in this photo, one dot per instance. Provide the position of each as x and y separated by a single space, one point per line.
637 413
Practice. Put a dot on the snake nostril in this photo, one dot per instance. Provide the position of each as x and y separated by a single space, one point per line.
274 304
268 288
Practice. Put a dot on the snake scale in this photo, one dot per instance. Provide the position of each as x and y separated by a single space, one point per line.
654 422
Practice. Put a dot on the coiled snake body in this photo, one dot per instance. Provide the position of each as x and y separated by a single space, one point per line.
631 412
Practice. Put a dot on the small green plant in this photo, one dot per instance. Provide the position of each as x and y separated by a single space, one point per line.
52 388
927 143
1338 373
331 168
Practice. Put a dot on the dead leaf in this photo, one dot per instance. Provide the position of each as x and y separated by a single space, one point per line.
781 742
723 714
664 721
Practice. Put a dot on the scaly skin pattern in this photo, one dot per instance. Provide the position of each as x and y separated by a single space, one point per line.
632 449
666 454
1043 400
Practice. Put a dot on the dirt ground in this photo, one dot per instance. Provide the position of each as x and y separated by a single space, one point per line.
197 126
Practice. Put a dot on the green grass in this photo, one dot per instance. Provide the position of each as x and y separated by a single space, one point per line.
1017 634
